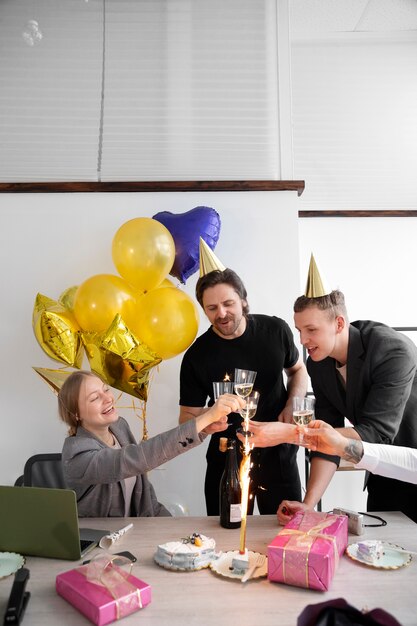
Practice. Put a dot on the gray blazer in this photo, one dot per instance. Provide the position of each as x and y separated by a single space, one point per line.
96 472
381 394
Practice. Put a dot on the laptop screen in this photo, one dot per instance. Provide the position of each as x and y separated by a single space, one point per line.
41 522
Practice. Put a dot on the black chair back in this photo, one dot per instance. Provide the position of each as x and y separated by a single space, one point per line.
44 470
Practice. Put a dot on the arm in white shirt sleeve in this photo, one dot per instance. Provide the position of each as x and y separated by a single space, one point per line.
391 461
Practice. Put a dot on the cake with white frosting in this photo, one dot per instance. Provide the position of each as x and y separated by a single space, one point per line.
190 553
371 551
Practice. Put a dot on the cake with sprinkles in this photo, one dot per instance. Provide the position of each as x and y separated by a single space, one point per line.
189 553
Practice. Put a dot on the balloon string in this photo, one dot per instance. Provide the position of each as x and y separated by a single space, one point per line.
139 411
145 433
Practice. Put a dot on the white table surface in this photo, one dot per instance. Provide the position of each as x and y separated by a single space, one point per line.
203 597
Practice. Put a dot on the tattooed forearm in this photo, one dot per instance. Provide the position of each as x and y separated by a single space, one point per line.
353 451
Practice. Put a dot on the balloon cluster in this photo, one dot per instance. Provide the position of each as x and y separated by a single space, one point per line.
127 324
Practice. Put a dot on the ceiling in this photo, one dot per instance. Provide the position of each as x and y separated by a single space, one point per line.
320 17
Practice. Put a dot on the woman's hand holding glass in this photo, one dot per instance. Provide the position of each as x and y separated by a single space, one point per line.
215 417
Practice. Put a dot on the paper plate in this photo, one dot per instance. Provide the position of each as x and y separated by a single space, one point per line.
223 565
10 562
391 558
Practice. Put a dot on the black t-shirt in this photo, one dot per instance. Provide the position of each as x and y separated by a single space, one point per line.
266 347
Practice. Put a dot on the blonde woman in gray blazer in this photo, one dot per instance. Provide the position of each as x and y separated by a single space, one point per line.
104 464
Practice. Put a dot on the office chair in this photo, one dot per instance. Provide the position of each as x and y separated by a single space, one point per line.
43 470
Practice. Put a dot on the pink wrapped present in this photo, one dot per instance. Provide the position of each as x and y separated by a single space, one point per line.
103 591
306 552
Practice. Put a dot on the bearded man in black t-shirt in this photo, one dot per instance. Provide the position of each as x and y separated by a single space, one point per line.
261 343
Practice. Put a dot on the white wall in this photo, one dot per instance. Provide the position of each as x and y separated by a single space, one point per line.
49 242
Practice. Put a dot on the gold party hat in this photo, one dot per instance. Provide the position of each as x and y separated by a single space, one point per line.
208 260
53 378
315 287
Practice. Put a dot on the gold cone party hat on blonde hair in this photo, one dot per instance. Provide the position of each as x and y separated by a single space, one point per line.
316 286
208 260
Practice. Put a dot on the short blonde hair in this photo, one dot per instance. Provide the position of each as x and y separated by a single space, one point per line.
68 397
333 303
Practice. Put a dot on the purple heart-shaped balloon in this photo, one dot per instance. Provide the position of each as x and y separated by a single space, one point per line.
186 230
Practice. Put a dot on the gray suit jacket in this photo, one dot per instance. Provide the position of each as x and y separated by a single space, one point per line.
381 392
96 472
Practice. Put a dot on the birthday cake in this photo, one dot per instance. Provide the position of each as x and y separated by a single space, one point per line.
190 553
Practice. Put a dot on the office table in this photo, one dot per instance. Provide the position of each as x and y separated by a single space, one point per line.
203 597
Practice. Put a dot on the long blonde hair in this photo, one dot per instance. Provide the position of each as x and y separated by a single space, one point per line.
68 397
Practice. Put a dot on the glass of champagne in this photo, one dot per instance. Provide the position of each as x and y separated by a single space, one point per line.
219 388
244 380
249 411
302 412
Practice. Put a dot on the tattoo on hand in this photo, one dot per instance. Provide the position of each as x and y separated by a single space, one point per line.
353 451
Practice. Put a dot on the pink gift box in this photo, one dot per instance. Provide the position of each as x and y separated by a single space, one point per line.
306 552
101 605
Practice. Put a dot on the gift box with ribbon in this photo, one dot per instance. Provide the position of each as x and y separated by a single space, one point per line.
104 590
306 552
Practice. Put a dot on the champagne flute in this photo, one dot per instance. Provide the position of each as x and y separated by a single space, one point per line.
249 411
221 387
244 380
302 412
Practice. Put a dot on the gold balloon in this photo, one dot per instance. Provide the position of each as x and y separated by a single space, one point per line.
57 331
120 359
100 298
67 298
143 252
166 320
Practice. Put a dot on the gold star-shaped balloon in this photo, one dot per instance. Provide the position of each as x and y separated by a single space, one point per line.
67 298
120 359
57 331
53 378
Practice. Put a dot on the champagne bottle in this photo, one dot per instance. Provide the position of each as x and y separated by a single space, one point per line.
230 490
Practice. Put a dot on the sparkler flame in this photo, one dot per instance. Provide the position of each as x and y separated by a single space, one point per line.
244 475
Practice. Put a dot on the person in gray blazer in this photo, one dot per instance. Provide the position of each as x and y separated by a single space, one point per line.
104 464
366 372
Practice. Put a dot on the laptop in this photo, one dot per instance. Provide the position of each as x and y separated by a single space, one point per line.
40 521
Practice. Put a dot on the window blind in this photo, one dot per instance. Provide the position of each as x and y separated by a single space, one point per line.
139 90
354 121
50 91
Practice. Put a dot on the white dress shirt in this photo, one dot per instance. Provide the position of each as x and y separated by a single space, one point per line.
395 462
